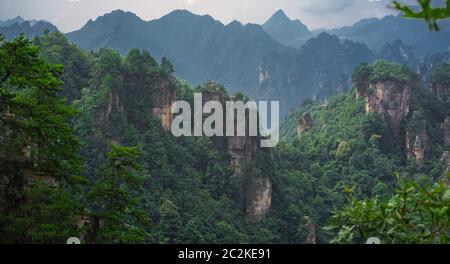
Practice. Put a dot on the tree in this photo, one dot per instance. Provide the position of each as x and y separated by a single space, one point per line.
32 113
430 14
36 137
170 223
115 199
167 66
47 215
417 213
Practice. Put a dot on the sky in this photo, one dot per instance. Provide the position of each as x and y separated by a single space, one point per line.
69 15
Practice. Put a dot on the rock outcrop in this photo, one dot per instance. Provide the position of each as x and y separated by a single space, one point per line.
440 89
242 151
304 124
446 160
103 112
310 227
417 146
258 197
447 132
161 102
388 98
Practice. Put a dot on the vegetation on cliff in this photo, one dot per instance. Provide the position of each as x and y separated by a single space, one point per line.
139 184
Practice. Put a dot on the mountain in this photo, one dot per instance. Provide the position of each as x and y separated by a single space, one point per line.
12 21
14 27
200 47
241 57
399 52
375 33
321 68
291 33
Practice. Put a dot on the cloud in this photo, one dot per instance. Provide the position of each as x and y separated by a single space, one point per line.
191 2
324 7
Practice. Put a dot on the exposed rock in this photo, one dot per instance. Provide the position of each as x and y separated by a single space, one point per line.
417 145
446 159
389 98
447 132
162 102
242 150
304 124
103 112
441 90
259 197
310 231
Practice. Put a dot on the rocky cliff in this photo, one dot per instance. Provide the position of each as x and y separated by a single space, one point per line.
417 146
242 151
304 124
447 132
391 99
165 96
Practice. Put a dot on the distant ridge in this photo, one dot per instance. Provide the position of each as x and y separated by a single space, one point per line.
291 33
12 28
200 47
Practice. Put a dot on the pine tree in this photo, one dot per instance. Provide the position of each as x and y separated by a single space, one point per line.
116 201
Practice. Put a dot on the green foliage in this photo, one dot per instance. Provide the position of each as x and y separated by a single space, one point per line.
170 223
115 206
441 74
56 49
183 190
48 215
33 113
383 70
416 213
167 66
430 14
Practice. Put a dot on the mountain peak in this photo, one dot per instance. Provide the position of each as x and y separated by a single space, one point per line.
280 15
179 12
12 21
116 17
289 32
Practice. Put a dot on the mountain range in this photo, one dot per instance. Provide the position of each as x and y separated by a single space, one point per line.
280 59
11 28
200 47
292 33
376 32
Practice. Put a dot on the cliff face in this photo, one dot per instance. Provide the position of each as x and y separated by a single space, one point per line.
103 112
242 151
304 124
446 160
447 132
417 146
388 98
441 90
310 227
162 100
258 197
156 98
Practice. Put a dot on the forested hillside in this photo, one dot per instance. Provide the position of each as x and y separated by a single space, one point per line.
92 156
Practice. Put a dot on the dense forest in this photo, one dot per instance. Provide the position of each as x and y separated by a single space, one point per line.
85 151
86 148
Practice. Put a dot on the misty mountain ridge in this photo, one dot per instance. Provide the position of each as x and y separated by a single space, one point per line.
375 33
200 47
257 60
292 33
12 28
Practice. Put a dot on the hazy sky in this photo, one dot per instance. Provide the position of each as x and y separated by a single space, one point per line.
70 15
